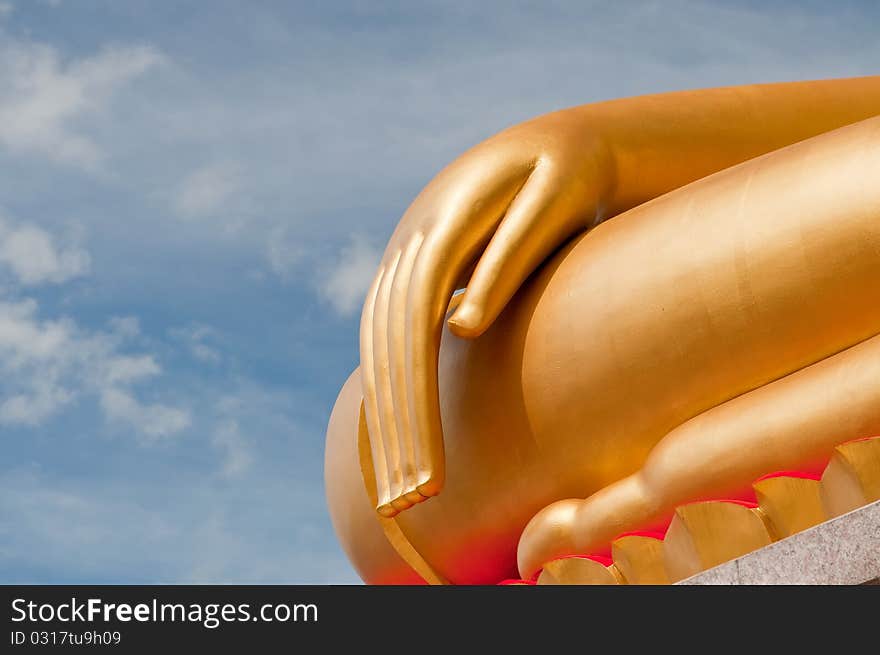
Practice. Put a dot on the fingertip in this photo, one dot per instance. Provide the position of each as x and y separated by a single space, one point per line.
430 487
387 511
401 504
468 321
414 497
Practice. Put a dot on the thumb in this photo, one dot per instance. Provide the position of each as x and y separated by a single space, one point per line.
541 217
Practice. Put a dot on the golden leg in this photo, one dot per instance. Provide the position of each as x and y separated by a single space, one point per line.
791 422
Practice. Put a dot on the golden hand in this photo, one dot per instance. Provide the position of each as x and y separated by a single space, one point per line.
505 205
499 211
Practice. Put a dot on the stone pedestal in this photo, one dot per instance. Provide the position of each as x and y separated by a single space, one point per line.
844 550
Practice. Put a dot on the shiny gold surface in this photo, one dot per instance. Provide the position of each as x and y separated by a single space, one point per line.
579 571
392 530
852 478
353 516
640 559
694 342
509 202
791 504
703 535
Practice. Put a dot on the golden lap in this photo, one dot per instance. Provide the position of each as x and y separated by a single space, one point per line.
649 320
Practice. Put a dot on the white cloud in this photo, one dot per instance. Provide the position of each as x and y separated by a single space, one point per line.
345 283
24 340
126 368
34 358
207 190
5 9
186 530
153 421
194 337
30 354
205 353
46 364
283 252
125 326
44 98
32 408
333 133
237 456
33 257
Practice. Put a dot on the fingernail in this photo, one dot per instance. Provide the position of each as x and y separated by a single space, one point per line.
401 504
465 319
388 511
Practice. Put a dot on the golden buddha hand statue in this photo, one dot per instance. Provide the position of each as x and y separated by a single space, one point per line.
636 362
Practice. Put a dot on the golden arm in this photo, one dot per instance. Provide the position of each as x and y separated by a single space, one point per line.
662 142
508 203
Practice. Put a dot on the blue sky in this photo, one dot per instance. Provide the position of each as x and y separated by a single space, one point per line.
193 196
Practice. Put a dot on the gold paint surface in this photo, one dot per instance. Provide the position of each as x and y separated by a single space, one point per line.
852 478
790 504
351 510
579 571
709 312
392 530
640 560
703 535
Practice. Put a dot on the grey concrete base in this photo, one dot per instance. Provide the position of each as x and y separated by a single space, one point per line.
845 550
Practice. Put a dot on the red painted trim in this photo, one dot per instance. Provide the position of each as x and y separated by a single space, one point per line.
653 534
803 475
514 581
735 501
859 439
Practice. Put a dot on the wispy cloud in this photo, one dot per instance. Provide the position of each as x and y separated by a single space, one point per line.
152 420
196 338
48 363
33 257
244 164
77 532
343 284
207 190
43 96
237 454
283 252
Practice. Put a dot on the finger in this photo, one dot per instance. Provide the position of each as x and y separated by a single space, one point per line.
368 382
397 361
384 398
424 323
465 222
547 210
